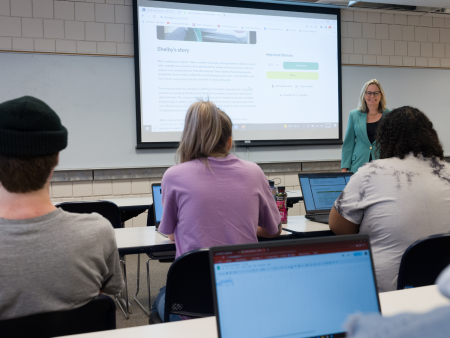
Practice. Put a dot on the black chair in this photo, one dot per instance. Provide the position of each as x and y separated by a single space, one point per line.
423 261
97 315
107 209
111 212
188 288
161 253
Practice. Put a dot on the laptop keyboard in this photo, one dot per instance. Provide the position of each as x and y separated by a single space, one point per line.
318 218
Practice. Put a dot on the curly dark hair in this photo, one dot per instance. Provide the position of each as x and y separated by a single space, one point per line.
407 129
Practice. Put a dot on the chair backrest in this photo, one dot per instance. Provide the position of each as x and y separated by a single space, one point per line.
97 315
107 209
423 261
188 287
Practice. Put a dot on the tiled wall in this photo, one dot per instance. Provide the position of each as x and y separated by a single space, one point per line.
105 27
112 189
141 187
375 38
87 27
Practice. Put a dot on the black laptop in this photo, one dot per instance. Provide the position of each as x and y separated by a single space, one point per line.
300 288
320 191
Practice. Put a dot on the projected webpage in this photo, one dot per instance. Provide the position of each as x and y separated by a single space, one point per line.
274 73
319 290
321 193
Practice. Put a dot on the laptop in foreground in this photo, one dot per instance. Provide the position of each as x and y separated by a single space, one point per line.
293 288
320 191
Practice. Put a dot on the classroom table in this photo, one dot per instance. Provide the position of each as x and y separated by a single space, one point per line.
131 241
416 300
145 239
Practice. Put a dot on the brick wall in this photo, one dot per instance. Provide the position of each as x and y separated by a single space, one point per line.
375 38
141 187
87 27
105 27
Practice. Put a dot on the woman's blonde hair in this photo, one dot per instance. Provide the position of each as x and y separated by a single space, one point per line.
207 130
362 107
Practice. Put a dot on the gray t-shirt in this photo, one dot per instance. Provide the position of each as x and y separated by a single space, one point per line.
396 202
56 262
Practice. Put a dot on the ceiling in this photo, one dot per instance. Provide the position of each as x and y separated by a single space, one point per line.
424 3
420 7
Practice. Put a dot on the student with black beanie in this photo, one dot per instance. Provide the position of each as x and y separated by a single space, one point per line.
52 260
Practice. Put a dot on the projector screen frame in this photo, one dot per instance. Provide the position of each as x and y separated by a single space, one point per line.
240 4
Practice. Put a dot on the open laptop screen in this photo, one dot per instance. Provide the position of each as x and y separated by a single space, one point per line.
157 202
302 290
320 191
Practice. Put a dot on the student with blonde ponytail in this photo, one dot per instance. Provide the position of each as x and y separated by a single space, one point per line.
211 197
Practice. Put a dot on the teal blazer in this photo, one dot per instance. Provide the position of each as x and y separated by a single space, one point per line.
357 147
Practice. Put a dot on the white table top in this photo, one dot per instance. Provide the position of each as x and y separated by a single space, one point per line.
411 300
139 237
301 224
132 201
294 193
415 300
125 202
147 236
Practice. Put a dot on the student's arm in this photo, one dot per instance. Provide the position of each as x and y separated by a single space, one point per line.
349 144
113 282
340 226
261 232
171 237
169 218
269 219
348 211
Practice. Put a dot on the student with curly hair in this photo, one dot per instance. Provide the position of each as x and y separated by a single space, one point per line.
400 198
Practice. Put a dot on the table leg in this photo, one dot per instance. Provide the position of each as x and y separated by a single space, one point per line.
122 301
147 312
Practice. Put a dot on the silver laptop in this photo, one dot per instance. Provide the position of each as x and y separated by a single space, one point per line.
320 191
300 288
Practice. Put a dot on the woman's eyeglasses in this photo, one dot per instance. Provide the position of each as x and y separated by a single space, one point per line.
375 94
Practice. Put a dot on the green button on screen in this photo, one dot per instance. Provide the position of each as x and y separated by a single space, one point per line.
292 76
301 65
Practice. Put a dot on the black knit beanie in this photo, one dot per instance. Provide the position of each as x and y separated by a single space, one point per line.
29 127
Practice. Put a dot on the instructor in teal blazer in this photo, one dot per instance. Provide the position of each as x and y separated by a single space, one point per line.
359 143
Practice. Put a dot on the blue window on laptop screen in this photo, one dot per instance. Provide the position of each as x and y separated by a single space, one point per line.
320 193
293 291
157 199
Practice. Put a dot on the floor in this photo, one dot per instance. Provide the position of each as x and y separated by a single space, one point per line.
158 275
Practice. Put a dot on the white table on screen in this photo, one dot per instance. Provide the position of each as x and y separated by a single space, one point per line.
416 300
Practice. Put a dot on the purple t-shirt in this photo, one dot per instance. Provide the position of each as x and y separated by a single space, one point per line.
218 206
